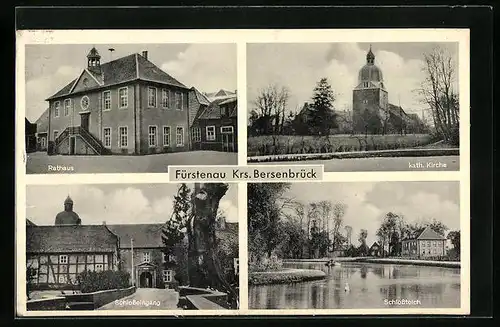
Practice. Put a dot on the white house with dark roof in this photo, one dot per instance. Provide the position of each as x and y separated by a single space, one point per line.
428 244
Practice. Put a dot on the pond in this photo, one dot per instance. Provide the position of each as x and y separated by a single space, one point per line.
371 285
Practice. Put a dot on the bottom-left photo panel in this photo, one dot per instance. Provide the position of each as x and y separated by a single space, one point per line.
164 246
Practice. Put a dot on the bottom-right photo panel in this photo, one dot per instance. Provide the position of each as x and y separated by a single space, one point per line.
354 245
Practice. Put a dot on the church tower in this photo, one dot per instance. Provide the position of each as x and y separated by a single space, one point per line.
369 98
94 61
68 216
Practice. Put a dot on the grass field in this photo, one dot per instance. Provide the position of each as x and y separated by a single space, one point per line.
293 144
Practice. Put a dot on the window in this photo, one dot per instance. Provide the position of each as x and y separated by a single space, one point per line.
85 82
366 84
152 97
166 135
171 258
164 98
42 141
226 129
123 96
178 100
107 137
146 257
85 102
56 134
196 134
223 111
67 106
57 106
123 140
63 259
167 276
152 136
210 133
179 136
106 95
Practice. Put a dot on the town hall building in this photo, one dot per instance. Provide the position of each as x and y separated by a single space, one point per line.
127 106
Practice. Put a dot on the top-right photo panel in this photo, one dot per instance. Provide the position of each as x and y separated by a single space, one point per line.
354 106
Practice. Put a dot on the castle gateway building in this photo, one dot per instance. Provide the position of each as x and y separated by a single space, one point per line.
125 106
59 253
371 111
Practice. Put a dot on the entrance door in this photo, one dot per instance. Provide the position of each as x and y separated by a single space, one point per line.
85 121
72 143
146 280
228 142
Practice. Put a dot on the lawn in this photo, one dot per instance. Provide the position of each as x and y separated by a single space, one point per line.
294 144
38 162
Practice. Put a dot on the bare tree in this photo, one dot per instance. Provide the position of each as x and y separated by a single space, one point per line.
438 92
338 215
348 231
270 104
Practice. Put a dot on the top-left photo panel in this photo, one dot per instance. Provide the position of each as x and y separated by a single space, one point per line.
129 108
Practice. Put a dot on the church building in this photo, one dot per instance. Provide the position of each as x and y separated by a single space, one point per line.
371 110
125 106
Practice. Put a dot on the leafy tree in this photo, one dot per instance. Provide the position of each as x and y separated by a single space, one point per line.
363 248
323 117
294 239
178 227
264 213
454 237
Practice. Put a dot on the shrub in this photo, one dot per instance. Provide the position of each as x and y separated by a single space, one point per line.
265 263
92 281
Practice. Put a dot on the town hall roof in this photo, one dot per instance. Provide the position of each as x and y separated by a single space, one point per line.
125 69
70 239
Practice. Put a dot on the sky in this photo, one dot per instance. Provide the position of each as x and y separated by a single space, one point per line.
208 67
368 202
300 66
114 203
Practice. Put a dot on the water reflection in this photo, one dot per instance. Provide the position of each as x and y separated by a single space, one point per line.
371 286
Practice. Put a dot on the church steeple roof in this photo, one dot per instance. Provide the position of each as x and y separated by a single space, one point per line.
370 57
93 53
68 200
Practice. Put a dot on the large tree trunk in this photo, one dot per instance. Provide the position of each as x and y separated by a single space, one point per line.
205 269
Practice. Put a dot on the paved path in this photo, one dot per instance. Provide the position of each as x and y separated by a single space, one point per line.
146 299
379 164
38 162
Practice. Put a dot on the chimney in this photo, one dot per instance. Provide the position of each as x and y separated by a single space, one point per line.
145 55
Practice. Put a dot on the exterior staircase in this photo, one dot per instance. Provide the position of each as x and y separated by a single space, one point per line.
85 135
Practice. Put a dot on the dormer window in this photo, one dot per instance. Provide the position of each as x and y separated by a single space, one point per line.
223 111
